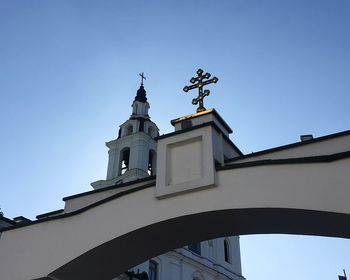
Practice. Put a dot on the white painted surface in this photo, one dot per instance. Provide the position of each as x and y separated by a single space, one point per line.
325 147
185 162
79 202
34 251
140 108
192 168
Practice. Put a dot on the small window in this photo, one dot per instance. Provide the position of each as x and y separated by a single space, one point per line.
195 247
152 270
124 161
227 252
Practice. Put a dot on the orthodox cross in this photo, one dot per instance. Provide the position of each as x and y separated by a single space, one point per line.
200 83
142 78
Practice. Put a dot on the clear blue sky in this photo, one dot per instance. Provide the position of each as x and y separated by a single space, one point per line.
69 72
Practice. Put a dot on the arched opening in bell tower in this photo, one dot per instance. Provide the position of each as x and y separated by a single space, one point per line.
152 155
129 130
124 160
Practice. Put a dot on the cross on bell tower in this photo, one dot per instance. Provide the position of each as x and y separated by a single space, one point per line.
200 83
142 78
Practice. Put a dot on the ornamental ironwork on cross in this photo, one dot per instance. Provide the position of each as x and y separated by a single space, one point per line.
200 83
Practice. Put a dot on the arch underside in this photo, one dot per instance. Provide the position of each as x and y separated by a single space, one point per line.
116 256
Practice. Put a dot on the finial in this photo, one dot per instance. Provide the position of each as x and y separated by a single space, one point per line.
141 92
199 85
142 78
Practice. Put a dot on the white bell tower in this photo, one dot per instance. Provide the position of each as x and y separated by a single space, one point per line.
132 155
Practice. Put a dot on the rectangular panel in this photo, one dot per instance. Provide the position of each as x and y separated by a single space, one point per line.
185 161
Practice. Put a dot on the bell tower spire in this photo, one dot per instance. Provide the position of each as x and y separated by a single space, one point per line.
140 105
132 155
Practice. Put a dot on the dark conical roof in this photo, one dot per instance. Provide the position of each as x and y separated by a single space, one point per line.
141 95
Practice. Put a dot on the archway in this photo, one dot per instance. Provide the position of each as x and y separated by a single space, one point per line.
104 262
103 239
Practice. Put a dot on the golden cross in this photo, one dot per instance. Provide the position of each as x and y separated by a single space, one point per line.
142 78
199 85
